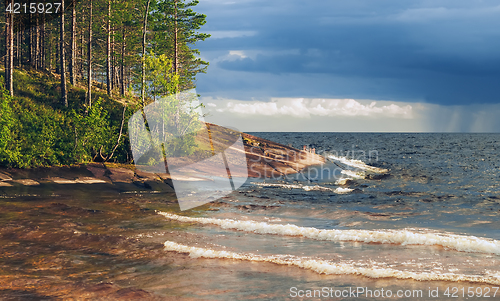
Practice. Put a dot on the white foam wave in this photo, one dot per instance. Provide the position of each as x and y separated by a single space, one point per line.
358 164
343 181
328 267
342 190
317 187
289 186
404 237
354 174
304 187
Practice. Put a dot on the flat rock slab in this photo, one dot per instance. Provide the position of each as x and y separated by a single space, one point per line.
146 176
5 177
122 175
61 180
5 184
89 180
82 180
26 182
98 170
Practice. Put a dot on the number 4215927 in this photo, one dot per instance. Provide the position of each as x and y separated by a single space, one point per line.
33 8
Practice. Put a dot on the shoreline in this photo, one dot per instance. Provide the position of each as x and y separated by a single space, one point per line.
264 159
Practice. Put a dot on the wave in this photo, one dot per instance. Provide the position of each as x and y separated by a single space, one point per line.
354 174
343 181
461 243
343 190
305 187
358 164
329 267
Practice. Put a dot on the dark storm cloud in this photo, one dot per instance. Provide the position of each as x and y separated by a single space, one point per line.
445 52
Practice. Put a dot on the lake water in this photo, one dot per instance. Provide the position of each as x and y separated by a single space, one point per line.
417 218
388 216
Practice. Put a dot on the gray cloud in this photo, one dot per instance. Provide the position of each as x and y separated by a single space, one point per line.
444 52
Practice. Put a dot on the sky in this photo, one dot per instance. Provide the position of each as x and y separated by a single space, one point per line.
357 65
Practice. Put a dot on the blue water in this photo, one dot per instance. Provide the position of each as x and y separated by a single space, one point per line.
451 179
445 184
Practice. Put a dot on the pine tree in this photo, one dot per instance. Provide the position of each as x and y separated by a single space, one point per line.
72 67
9 50
64 93
175 29
89 59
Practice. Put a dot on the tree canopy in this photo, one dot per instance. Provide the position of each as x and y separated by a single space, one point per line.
91 69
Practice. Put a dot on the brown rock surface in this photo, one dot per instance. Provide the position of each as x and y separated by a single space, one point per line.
5 177
27 182
123 175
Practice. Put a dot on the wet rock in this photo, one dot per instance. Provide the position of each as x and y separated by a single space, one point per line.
89 180
26 182
98 170
146 176
122 175
155 186
425 200
377 176
255 207
5 177
61 180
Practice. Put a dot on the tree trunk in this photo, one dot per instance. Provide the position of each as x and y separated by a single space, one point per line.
9 57
31 59
18 48
43 46
58 57
176 65
82 48
108 51
113 62
73 44
143 58
64 93
122 67
89 60
49 55
37 45
176 40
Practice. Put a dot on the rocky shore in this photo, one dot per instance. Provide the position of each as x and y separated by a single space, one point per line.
264 159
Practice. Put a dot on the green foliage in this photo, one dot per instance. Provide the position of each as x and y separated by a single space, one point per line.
178 15
160 81
174 118
182 115
8 150
38 131
93 132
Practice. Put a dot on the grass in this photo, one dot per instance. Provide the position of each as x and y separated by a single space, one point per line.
44 87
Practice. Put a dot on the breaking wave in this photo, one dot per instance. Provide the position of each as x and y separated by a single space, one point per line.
329 267
305 187
403 237
358 164
354 174
343 181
